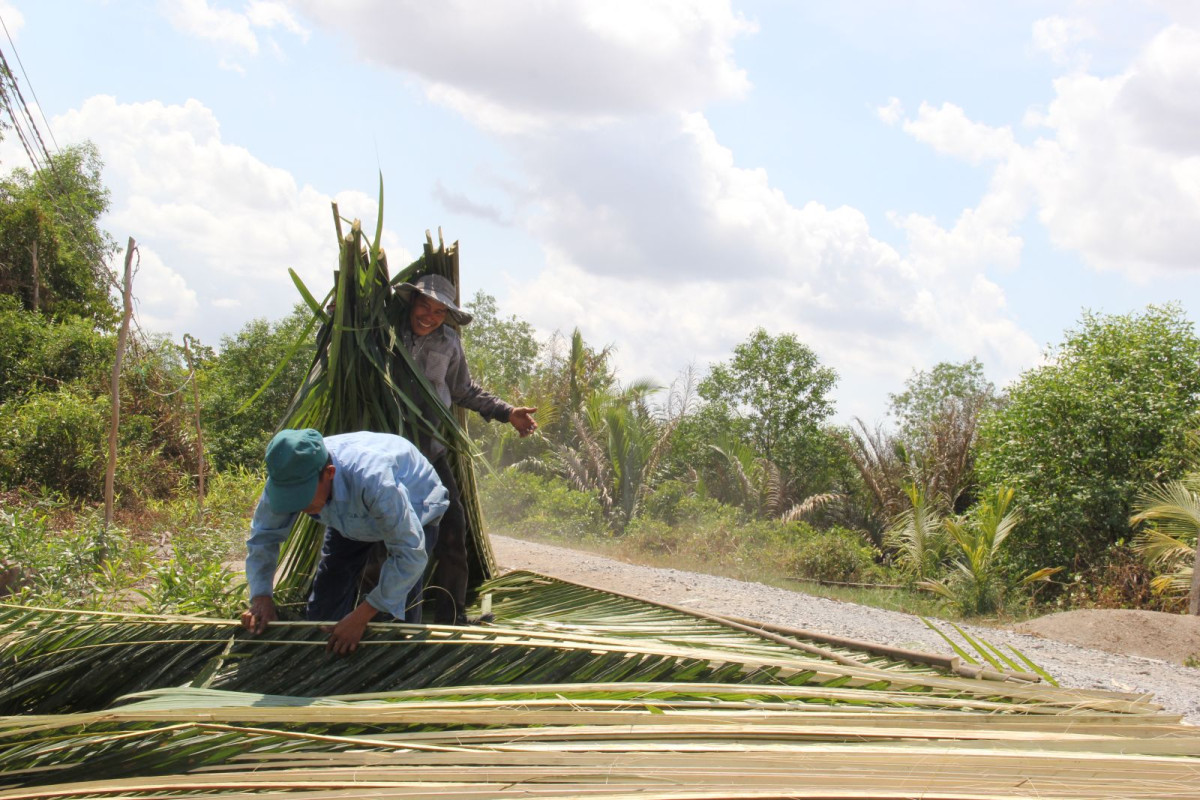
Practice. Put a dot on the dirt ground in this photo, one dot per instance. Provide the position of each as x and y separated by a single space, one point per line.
1151 634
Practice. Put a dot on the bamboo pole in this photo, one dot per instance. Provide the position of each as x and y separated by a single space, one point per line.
122 338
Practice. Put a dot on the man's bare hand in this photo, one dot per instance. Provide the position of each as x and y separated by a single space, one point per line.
522 419
344 637
260 615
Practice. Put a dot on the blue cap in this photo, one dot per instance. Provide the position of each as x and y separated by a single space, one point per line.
295 459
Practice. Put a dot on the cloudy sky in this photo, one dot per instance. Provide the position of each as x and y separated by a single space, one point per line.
897 184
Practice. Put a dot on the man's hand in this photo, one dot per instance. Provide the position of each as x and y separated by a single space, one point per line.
261 614
344 637
522 419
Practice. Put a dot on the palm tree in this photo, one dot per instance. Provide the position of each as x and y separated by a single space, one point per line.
976 584
617 443
919 534
1170 542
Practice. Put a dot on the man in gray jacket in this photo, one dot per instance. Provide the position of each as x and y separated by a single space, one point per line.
437 350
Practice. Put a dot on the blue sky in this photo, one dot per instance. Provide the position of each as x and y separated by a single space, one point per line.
897 186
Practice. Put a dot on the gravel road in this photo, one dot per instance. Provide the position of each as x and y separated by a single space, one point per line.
1175 687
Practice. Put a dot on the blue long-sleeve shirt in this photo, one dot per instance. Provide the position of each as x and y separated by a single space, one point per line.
384 490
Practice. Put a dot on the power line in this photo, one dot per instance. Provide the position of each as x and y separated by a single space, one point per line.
29 83
27 117
8 106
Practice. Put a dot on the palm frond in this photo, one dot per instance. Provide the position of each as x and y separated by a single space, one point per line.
363 378
574 691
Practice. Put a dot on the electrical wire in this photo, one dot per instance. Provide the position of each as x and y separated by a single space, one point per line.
29 83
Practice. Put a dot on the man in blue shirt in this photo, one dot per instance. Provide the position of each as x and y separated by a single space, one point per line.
366 488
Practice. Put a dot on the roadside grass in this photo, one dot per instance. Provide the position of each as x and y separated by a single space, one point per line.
164 556
681 531
161 557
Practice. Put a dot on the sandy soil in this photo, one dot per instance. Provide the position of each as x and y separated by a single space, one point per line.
1152 634
1140 652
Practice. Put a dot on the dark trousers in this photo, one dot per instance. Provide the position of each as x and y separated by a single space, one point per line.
451 574
340 575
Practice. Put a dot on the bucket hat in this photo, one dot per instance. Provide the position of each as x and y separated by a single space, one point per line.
436 288
295 459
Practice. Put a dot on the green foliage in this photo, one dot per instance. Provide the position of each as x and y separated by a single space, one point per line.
1080 436
701 533
500 352
926 395
55 439
939 413
59 208
78 565
919 535
38 354
776 391
61 555
837 555
193 580
525 504
1168 540
978 582
235 436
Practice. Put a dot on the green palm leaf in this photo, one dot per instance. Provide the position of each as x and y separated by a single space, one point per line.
362 378
575 691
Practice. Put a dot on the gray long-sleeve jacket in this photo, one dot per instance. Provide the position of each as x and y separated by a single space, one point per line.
440 357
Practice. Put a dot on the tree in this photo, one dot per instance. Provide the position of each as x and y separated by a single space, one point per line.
230 378
775 393
938 414
53 215
927 394
1170 541
977 583
919 534
1081 435
500 352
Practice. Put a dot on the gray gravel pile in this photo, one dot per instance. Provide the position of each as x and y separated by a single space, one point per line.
1175 687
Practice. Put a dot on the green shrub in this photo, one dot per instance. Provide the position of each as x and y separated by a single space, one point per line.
55 439
195 579
675 503
836 555
1082 434
38 354
525 504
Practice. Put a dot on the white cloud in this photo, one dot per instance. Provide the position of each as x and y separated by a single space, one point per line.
656 240
217 227
1115 173
1059 37
892 112
948 131
574 60
162 296
14 20
269 14
220 25
232 30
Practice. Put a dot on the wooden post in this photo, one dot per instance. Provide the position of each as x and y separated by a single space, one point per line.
122 337
36 280
1194 600
187 352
